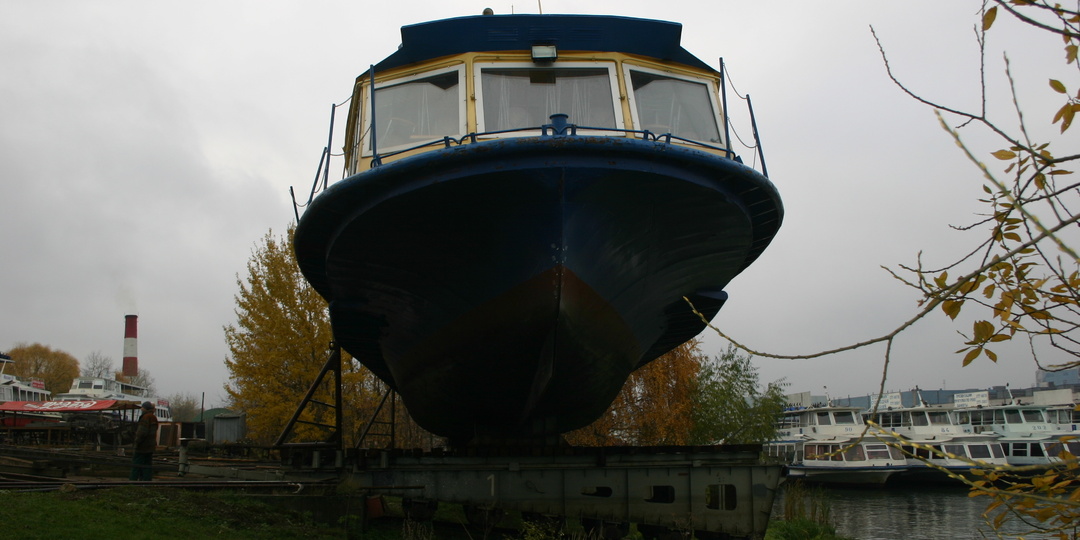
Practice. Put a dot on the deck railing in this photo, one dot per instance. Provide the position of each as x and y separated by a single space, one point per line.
554 129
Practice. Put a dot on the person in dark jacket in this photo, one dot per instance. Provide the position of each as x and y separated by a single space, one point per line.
145 444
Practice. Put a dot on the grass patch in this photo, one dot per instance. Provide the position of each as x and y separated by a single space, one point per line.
151 513
806 516
801 529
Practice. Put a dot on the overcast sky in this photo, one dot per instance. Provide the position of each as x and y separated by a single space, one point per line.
145 147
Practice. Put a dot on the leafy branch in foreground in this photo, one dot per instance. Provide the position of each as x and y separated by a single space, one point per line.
1021 277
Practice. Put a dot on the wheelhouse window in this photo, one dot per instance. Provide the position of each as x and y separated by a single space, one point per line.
892 419
417 109
525 96
877 451
1013 416
956 450
939 418
1055 449
682 106
855 453
844 417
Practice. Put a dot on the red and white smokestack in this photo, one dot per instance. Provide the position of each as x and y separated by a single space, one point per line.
131 350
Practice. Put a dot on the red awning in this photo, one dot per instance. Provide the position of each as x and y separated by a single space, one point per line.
68 406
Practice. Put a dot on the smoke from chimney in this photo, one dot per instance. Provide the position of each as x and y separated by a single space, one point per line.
131 350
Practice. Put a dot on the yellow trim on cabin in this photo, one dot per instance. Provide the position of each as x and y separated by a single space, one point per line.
356 161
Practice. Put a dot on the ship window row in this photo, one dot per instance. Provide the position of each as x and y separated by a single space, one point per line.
832 452
874 451
999 416
1063 416
825 418
1041 449
974 451
1024 449
780 450
896 419
15 393
517 96
917 418
1055 448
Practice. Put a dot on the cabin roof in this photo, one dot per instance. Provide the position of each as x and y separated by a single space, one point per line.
484 33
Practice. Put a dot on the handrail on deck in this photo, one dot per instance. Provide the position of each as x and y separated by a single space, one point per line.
553 129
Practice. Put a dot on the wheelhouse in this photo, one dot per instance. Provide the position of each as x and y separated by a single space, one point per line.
12 389
1005 420
799 422
910 418
505 88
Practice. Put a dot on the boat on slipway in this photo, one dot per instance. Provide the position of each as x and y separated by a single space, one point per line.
530 202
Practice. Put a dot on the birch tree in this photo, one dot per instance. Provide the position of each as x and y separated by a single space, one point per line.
279 343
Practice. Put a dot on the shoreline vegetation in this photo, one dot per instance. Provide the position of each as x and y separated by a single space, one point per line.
806 515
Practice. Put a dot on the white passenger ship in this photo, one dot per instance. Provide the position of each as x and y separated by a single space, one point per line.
1033 433
829 444
13 388
933 443
100 388
833 444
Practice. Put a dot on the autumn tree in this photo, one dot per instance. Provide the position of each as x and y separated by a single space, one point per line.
684 397
653 407
56 368
97 364
277 346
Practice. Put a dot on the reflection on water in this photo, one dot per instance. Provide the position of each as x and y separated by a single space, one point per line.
924 513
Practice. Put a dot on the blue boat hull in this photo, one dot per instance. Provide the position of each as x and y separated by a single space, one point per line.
508 288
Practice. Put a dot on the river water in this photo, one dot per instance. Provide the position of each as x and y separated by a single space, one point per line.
917 513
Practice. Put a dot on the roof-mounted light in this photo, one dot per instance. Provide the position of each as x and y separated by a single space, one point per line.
544 53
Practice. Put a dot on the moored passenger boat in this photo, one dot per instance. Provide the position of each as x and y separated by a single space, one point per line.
1025 431
824 443
851 461
531 201
934 446
851 446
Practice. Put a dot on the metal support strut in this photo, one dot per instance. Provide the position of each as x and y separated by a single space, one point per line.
333 440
